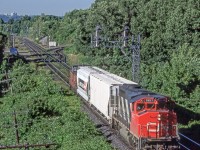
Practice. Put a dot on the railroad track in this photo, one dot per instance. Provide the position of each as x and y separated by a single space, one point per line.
48 60
101 123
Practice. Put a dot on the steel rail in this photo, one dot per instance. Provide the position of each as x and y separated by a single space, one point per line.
58 75
48 62
183 146
50 65
190 140
56 68
50 55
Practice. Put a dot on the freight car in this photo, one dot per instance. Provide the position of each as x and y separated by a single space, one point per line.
144 118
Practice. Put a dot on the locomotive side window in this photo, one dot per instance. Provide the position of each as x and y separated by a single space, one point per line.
140 107
133 106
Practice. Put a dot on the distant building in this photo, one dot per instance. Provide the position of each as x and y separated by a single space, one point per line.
42 14
7 17
13 14
52 44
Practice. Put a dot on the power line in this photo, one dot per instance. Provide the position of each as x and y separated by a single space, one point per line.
125 41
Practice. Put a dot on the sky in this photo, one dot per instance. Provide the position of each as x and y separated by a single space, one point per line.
48 7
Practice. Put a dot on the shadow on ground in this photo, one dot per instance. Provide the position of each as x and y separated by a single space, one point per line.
186 116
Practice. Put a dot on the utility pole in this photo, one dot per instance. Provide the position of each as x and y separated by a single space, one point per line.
13 38
122 44
135 48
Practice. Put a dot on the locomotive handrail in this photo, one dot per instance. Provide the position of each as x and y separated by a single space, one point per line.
142 112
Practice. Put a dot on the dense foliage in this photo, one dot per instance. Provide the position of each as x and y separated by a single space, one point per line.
46 113
3 41
170 45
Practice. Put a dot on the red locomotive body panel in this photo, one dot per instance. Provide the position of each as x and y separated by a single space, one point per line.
153 120
147 125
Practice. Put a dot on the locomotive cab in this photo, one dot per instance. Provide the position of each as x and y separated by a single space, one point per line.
153 105
153 120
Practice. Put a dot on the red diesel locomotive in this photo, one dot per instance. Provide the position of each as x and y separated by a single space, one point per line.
143 118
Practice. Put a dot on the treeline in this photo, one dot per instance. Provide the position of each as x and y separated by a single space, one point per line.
170 41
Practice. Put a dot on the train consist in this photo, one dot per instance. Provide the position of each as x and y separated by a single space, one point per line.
144 118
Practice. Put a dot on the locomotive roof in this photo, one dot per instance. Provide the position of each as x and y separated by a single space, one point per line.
133 93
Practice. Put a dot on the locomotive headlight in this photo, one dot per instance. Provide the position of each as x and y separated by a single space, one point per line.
159 117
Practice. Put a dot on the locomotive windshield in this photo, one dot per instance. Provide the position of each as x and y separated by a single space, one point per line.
150 106
153 104
140 106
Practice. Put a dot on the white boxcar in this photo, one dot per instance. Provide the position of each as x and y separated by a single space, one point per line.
83 75
101 86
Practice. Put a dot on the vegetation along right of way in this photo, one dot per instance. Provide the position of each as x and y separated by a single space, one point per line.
46 113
